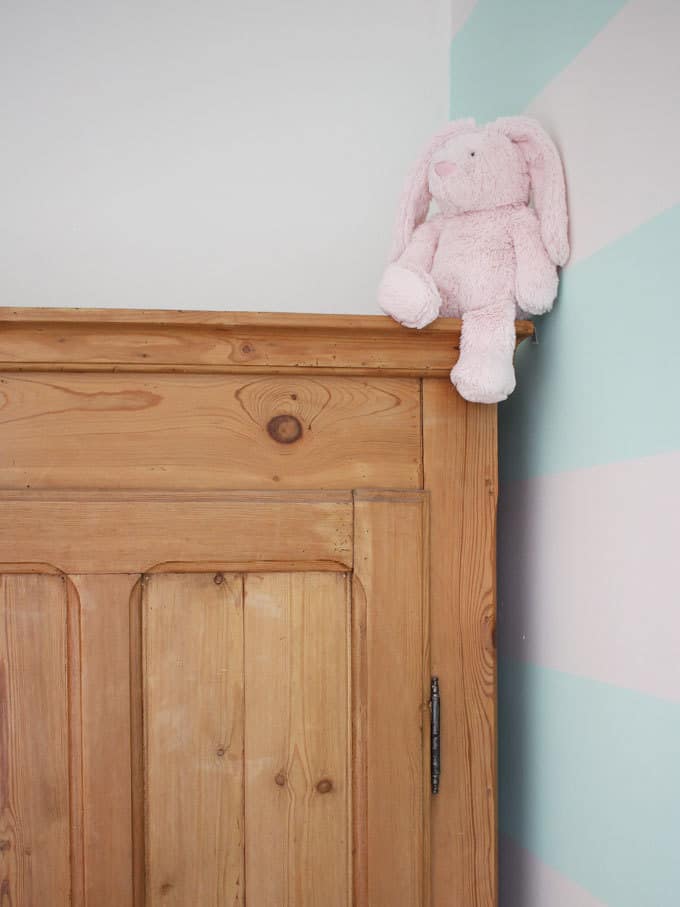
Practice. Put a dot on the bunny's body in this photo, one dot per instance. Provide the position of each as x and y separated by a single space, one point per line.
474 259
487 253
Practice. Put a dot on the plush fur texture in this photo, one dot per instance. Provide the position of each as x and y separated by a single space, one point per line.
487 253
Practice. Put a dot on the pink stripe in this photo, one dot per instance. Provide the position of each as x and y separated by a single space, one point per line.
615 123
460 13
590 573
527 882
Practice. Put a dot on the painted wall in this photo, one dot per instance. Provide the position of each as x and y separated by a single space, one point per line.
210 154
590 460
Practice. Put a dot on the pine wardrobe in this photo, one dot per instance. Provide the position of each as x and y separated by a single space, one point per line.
236 550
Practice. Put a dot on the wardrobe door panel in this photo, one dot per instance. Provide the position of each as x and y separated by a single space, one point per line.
105 659
391 691
298 810
193 714
35 820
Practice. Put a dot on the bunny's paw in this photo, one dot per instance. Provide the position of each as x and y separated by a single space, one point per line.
484 381
409 296
536 292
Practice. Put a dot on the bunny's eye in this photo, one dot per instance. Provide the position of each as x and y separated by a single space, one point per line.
472 154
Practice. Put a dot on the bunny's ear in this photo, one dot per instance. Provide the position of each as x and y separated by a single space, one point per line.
415 200
547 181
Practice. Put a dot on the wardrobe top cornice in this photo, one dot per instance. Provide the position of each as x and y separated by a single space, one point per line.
155 340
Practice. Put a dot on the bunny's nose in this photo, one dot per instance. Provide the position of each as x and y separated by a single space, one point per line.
444 168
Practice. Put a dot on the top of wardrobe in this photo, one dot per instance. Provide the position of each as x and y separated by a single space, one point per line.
46 339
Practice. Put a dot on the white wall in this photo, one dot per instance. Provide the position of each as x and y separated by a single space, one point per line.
210 155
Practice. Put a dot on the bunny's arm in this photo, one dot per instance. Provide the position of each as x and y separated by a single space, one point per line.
419 253
407 291
535 274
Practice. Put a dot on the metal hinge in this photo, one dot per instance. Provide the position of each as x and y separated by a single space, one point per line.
435 743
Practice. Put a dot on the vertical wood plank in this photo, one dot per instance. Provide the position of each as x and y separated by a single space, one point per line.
34 741
359 673
75 731
137 745
297 740
460 459
391 699
193 730
105 667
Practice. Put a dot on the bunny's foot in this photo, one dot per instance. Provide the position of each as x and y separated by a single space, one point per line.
484 372
410 296
485 380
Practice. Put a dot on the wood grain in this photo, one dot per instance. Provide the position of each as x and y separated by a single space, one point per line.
108 339
193 714
34 742
297 740
105 702
203 432
129 534
391 809
461 474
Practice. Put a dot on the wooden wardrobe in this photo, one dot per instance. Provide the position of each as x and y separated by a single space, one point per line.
235 549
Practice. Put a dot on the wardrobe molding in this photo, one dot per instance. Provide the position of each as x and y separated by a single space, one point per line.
37 339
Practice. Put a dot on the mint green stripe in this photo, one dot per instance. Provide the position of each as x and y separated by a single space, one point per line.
590 782
507 51
603 384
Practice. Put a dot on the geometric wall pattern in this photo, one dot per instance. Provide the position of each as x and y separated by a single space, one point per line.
589 540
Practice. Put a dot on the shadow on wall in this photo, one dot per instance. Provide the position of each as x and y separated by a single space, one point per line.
514 792
514 731
516 554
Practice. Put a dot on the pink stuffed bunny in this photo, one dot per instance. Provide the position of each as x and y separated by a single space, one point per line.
486 254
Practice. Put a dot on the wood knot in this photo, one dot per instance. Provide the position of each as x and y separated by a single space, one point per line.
221 751
218 579
5 845
325 786
280 779
284 429
490 627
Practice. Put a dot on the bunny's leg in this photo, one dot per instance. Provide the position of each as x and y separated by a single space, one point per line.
484 372
407 291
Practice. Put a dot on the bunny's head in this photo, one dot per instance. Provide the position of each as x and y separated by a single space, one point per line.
470 168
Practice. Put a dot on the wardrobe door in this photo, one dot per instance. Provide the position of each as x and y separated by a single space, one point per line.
226 704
